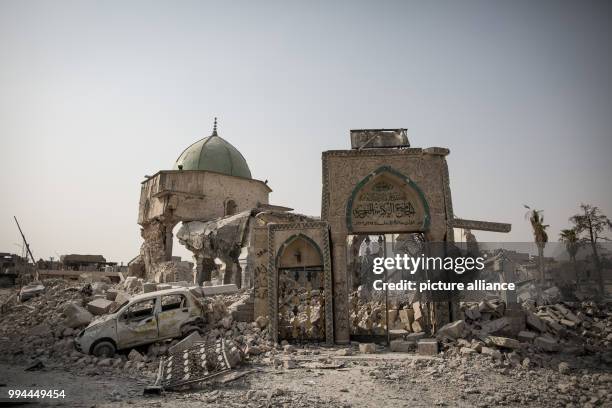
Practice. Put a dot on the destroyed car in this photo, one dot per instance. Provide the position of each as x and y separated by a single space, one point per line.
32 290
144 319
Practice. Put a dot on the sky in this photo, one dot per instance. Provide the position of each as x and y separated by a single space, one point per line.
97 94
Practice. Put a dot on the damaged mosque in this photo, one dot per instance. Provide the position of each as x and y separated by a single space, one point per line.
304 273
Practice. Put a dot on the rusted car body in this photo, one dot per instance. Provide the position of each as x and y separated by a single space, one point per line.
144 319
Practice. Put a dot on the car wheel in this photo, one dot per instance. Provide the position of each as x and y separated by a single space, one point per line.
104 349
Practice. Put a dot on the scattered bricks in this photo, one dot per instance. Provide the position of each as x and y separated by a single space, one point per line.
415 337
452 330
134 355
149 287
527 336
367 348
76 316
186 343
99 306
552 324
535 322
496 354
401 346
427 347
503 342
546 344
495 326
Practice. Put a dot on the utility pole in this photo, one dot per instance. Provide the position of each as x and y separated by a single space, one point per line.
29 251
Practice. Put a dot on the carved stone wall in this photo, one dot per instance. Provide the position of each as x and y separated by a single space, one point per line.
425 183
280 235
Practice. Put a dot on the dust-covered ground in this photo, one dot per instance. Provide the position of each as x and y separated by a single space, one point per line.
323 378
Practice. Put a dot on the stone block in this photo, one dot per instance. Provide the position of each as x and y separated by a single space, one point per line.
427 347
503 342
163 286
535 322
546 343
495 326
452 330
111 294
367 348
415 337
416 327
149 287
496 354
418 313
401 346
99 306
76 316
406 316
527 336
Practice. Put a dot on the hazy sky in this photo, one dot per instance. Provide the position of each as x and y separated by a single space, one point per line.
96 94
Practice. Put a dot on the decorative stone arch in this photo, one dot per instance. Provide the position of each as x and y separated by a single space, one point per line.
387 201
280 236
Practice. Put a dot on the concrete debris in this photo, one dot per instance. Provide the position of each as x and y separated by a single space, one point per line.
76 316
99 306
427 347
367 348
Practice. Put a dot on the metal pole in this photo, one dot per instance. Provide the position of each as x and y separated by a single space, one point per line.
386 291
28 248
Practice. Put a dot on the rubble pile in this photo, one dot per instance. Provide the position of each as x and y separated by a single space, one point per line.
41 330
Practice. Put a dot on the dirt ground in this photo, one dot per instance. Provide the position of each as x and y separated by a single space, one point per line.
385 379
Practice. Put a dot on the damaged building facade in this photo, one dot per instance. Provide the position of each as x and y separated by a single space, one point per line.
302 271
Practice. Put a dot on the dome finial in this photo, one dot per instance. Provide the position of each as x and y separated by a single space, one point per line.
214 133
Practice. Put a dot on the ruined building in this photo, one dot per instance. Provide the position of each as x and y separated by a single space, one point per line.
304 271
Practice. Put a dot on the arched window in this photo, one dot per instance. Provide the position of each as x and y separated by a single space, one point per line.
230 207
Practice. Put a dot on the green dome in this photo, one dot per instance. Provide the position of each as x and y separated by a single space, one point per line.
214 153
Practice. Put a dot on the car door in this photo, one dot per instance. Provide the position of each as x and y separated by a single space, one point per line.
137 324
173 313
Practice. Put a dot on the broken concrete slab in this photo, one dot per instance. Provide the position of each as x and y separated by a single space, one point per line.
99 306
452 330
427 347
76 316
401 346
134 355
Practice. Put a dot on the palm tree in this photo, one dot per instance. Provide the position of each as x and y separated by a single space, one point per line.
540 236
572 244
